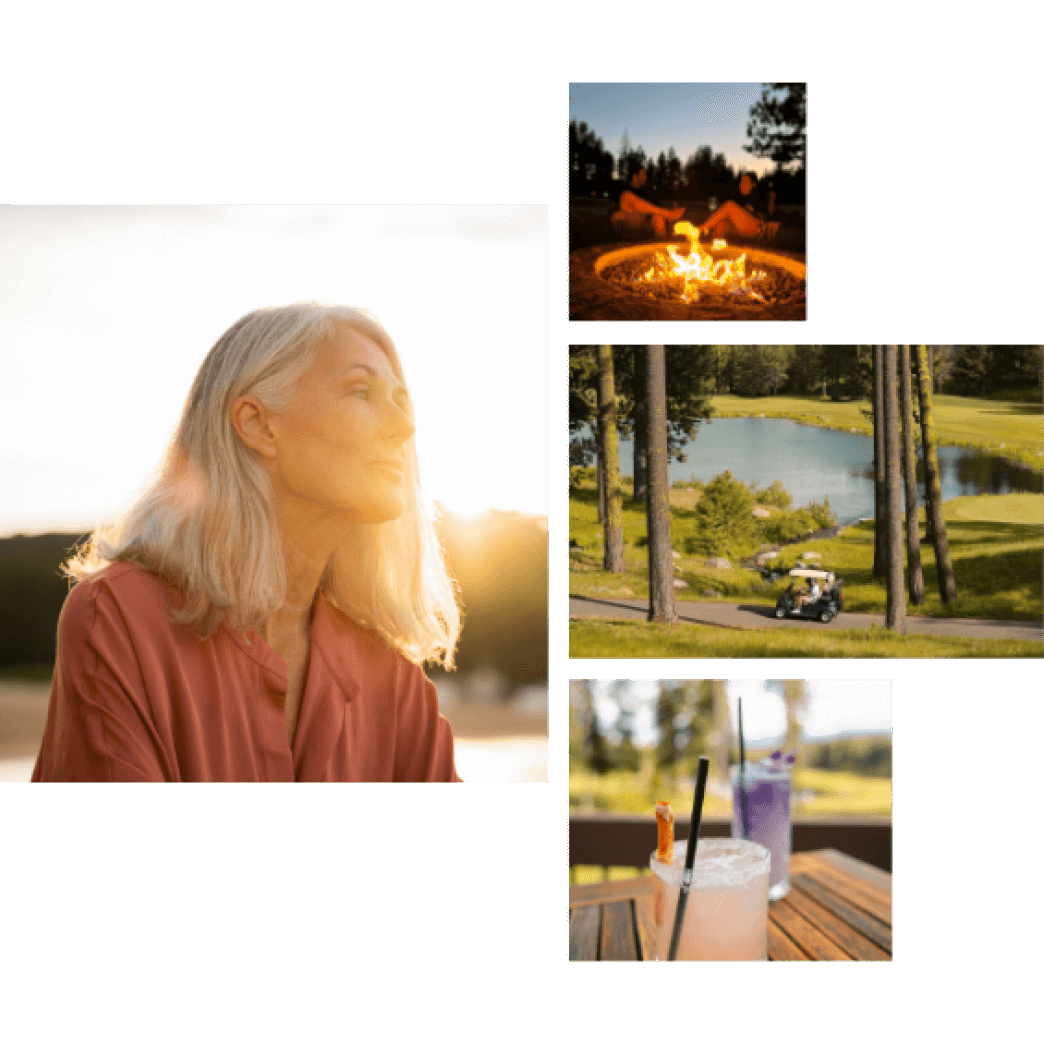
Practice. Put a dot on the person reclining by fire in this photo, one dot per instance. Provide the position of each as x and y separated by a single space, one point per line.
748 216
637 216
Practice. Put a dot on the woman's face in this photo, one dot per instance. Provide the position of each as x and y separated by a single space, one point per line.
341 443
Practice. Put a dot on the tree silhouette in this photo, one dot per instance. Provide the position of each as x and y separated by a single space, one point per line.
776 128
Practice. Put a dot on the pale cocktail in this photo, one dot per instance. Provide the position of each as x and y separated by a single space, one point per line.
726 918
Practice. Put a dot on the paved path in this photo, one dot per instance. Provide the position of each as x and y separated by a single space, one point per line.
758 617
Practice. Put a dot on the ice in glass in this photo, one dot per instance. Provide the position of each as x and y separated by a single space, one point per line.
726 918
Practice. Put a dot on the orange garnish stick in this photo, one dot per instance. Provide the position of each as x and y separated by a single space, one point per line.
665 832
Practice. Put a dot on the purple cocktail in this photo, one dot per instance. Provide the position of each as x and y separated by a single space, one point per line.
761 813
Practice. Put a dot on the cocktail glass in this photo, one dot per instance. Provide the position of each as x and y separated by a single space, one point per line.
726 917
766 795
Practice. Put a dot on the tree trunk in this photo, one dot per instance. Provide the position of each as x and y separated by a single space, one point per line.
915 576
895 614
609 451
880 491
947 585
600 472
661 561
641 436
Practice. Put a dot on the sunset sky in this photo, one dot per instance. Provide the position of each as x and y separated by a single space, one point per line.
659 115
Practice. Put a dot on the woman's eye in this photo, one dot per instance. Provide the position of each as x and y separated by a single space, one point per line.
361 392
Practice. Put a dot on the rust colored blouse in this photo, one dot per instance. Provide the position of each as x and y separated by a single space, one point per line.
138 697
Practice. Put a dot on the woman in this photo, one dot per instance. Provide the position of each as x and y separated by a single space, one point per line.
263 611
748 218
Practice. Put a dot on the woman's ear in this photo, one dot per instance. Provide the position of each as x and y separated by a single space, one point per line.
250 420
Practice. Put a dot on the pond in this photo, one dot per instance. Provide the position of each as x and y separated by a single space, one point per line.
813 463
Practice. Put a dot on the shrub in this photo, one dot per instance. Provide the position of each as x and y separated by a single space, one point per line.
822 515
775 495
724 525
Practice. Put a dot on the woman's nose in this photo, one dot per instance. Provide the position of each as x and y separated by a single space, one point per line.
400 427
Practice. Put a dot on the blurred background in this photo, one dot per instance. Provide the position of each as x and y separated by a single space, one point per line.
633 743
106 316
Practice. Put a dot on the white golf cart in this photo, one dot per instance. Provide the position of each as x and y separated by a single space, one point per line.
825 608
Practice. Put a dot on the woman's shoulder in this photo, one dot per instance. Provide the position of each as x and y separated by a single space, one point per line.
349 645
137 592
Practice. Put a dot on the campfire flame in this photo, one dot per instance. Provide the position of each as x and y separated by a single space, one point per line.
698 268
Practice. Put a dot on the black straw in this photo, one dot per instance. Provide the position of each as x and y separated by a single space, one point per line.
742 773
690 854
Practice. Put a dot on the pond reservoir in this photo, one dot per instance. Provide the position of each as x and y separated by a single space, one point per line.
813 463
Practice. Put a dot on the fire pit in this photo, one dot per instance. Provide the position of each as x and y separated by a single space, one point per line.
683 280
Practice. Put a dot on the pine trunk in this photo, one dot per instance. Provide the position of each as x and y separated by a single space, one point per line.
641 456
880 492
661 561
609 451
915 576
600 471
895 613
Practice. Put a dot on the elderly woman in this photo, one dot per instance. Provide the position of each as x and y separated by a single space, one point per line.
264 610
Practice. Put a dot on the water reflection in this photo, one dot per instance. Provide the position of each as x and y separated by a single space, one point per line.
813 463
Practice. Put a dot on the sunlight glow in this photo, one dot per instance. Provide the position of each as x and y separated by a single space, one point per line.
108 312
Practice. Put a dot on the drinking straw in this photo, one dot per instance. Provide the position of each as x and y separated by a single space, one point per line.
742 772
690 854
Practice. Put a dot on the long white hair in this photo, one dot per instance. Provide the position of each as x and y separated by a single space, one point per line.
208 524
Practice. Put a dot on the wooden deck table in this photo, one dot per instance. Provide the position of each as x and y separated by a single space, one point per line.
838 909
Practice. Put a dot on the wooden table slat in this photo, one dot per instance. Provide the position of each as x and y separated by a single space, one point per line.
584 926
837 909
871 898
618 932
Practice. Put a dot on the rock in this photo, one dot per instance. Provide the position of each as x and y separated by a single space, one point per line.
760 512
680 584
718 563
811 556
674 554
766 556
710 593
625 592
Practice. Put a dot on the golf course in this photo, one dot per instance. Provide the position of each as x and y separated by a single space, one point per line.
996 544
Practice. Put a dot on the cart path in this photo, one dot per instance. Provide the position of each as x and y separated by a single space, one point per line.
757 617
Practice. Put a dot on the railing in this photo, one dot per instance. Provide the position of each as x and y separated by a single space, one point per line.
612 840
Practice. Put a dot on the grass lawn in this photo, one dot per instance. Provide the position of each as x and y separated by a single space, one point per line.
996 547
635 638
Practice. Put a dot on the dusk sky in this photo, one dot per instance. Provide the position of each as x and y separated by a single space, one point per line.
659 115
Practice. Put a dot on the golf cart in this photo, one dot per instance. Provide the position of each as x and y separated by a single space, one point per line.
824 608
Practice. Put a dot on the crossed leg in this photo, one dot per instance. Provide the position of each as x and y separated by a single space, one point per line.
743 221
730 213
635 212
